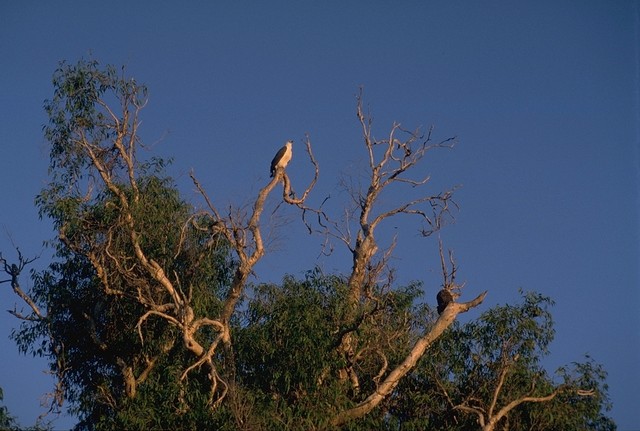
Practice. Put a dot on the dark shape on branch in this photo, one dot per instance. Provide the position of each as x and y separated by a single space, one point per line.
282 158
444 297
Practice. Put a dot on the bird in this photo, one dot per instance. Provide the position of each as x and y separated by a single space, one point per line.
282 158
444 298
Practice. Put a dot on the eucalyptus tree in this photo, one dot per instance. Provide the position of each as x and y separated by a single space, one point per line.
147 316
134 313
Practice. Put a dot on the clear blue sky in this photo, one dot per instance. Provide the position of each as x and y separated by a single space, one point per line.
542 95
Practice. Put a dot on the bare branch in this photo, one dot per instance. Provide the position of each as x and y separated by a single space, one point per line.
501 379
287 193
475 410
204 194
159 313
394 377
14 271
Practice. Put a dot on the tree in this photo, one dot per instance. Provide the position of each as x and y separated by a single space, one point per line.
141 279
487 375
137 272
147 315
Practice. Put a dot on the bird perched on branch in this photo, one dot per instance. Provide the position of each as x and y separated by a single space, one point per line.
444 298
282 158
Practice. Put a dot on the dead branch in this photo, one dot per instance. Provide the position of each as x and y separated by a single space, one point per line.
14 270
394 377
287 193
244 236
390 162
388 167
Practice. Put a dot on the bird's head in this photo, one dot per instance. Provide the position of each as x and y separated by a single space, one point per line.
289 143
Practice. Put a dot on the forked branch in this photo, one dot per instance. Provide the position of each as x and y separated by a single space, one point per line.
391 160
385 388
13 271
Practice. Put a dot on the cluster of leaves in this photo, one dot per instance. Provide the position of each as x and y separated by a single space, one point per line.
286 347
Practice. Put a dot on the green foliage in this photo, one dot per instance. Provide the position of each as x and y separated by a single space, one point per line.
286 342
466 366
285 350
574 412
78 109
92 334
287 338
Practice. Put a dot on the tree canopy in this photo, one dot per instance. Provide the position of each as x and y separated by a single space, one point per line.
148 319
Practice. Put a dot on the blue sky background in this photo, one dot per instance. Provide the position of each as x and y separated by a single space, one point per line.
543 97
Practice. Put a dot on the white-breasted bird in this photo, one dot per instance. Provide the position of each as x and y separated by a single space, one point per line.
282 158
